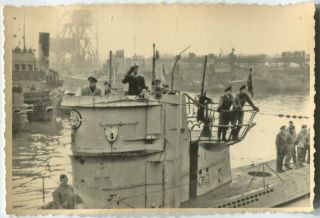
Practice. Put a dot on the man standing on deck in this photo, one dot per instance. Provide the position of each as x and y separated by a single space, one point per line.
136 82
239 102
92 89
291 137
294 153
226 101
280 144
301 143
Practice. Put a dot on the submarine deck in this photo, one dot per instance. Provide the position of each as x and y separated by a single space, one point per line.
274 191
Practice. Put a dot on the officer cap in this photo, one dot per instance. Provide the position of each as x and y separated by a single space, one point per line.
282 127
229 88
106 83
63 176
165 85
243 87
304 126
92 79
135 65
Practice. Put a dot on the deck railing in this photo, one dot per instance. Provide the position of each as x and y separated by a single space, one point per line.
206 129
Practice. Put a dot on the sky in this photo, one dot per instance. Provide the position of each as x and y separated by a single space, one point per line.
207 28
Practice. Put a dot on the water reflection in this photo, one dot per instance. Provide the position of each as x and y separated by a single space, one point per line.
40 152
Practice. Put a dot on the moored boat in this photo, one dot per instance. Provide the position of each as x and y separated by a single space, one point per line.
36 81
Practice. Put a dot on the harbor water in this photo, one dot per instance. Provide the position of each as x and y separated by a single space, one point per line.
41 152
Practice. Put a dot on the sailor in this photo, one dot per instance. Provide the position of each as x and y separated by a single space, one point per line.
64 196
291 137
92 89
136 82
239 102
107 89
280 144
301 143
159 89
203 115
294 153
202 112
226 101
156 87
165 89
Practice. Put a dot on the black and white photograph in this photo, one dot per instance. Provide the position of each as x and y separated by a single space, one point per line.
159 106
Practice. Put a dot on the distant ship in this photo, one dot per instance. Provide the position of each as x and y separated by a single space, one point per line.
36 81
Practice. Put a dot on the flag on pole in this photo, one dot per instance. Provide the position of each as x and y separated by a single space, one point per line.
249 83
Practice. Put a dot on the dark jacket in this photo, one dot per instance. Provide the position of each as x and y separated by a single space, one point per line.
225 103
136 84
291 138
281 141
241 99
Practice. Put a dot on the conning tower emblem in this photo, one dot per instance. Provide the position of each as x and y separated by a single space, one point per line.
111 133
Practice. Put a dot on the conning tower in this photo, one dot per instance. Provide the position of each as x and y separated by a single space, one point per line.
142 153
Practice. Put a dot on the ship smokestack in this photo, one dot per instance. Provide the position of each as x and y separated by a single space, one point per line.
44 45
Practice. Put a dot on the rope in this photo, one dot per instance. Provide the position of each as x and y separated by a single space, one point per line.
285 116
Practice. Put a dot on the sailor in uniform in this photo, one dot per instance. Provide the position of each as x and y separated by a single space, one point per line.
294 153
225 115
107 89
64 197
281 141
92 89
301 142
136 82
239 102
291 137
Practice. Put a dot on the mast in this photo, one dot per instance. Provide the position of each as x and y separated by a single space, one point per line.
110 67
154 63
24 32
204 74
153 74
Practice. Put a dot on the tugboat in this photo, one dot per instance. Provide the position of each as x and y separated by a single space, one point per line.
155 152
36 83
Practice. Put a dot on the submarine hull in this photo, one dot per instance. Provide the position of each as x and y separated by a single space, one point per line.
267 189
